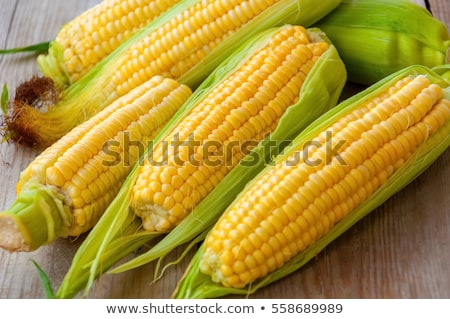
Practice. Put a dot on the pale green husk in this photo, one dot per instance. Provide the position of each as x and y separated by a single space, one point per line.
118 232
195 284
37 217
376 38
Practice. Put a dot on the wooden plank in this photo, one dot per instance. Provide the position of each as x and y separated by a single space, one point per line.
27 22
399 251
441 10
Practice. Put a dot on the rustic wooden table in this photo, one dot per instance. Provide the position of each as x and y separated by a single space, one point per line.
401 250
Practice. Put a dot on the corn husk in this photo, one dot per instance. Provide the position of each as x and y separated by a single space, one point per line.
376 38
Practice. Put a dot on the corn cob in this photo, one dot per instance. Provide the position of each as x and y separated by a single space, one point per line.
94 34
376 38
186 43
69 185
245 107
228 102
379 140
88 38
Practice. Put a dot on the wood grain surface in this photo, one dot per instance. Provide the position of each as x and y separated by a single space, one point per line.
400 250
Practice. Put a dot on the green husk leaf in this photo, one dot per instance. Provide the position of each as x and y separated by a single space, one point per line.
376 38
45 281
36 48
52 65
195 284
4 100
100 250
195 241
443 71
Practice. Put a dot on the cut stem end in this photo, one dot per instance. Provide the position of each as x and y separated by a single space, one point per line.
37 217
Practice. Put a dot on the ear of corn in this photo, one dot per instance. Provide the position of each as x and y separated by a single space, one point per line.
320 90
186 43
94 34
243 108
68 186
377 38
387 135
